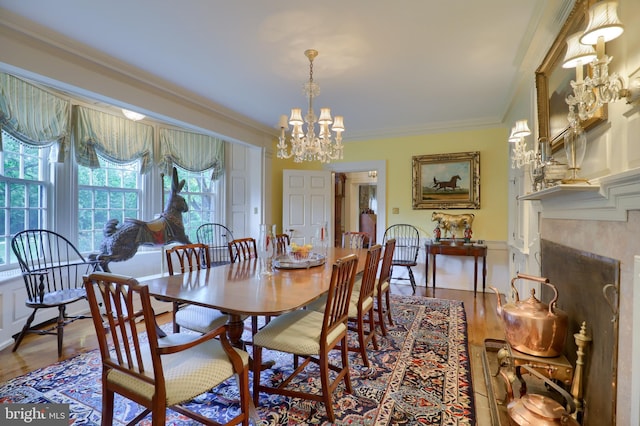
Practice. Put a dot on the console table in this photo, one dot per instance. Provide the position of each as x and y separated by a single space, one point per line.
448 248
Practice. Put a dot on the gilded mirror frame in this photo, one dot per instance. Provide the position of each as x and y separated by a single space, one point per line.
553 83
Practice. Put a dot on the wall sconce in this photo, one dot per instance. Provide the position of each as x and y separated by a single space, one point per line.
598 88
373 174
519 153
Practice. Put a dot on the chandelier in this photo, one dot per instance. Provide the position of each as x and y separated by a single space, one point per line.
309 145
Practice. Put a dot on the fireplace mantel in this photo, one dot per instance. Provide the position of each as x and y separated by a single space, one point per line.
607 198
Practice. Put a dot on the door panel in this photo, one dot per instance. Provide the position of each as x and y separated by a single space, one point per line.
308 201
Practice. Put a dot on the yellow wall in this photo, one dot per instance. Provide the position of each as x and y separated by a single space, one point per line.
490 220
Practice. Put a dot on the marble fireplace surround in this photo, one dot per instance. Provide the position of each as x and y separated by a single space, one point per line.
606 222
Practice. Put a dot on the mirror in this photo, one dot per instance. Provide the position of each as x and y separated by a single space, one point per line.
553 83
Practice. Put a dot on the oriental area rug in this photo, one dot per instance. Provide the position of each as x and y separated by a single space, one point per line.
420 375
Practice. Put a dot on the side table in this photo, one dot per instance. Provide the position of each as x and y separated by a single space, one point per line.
449 247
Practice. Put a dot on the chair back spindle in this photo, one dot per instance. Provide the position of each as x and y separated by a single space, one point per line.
355 240
243 249
189 257
339 295
217 237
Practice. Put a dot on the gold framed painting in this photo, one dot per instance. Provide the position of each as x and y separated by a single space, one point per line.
553 83
446 181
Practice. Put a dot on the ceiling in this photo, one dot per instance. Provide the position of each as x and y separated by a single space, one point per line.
390 68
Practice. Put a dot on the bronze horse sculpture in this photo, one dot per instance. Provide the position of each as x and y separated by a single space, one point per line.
451 184
121 242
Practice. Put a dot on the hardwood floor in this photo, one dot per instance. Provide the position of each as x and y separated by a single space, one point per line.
482 322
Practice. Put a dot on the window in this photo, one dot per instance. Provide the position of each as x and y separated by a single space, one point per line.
23 191
111 192
202 196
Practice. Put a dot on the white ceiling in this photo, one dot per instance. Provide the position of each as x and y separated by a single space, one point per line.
390 67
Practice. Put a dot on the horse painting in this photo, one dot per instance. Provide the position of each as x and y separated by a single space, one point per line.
121 242
452 183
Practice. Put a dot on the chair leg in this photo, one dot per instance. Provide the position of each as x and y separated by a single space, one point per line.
380 312
158 414
107 405
257 362
60 327
245 396
388 300
344 349
176 326
25 329
412 279
362 342
254 324
324 380
372 329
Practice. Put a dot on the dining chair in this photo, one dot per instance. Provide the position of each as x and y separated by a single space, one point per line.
311 335
383 288
361 304
157 372
355 240
184 258
406 251
217 237
282 242
242 249
52 269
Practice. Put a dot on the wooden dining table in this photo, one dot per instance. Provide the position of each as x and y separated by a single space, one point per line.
241 289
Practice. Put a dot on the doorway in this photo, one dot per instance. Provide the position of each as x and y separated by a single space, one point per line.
352 191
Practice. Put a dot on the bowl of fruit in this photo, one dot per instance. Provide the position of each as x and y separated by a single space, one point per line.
300 252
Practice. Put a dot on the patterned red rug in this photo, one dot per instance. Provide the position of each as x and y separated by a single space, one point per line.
420 375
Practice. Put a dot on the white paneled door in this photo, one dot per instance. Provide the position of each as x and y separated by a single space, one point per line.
307 197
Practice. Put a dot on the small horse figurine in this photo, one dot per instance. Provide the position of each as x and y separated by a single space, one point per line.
452 222
451 184
121 242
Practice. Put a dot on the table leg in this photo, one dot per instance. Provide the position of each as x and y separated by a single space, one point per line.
235 329
426 269
484 272
234 333
475 275
434 271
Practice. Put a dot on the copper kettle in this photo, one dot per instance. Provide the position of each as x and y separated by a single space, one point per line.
539 410
533 327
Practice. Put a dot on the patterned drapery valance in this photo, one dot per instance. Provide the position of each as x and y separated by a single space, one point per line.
33 115
191 151
117 138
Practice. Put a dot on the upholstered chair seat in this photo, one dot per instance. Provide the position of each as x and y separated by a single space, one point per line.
296 332
199 318
186 373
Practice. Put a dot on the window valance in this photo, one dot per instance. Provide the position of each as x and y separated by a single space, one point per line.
33 115
117 138
191 151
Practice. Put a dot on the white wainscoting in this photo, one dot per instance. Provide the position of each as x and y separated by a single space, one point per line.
456 272
12 295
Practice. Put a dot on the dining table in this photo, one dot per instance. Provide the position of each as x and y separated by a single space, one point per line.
242 288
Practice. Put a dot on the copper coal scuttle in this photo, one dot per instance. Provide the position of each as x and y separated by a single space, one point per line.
533 327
